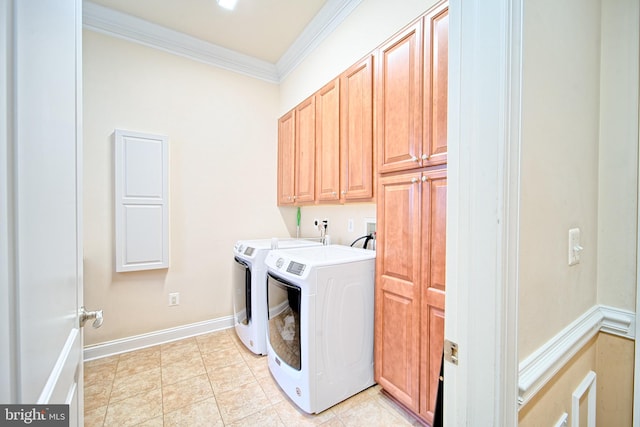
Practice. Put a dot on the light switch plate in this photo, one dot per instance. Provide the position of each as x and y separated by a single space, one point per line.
574 246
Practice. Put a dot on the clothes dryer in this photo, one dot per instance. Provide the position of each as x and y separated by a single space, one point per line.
249 288
320 330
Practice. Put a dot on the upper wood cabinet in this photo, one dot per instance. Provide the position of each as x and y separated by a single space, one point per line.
436 65
399 101
305 151
356 132
328 142
296 155
286 159
411 98
325 144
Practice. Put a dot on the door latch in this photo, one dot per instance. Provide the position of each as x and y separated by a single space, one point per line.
89 315
451 352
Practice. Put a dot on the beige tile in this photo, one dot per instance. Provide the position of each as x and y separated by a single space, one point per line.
204 413
183 369
265 418
185 393
135 410
292 416
394 408
214 342
258 365
222 357
241 402
154 422
99 370
272 389
94 417
333 422
178 351
97 394
125 386
369 413
139 361
348 405
229 377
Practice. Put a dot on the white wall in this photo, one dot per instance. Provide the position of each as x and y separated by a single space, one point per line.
222 130
618 154
579 169
559 187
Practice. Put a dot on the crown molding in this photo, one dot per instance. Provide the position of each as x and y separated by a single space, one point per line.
332 14
117 24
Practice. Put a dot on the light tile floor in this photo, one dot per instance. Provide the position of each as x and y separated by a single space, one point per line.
211 380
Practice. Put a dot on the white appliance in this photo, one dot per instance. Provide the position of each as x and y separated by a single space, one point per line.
320 332
249 288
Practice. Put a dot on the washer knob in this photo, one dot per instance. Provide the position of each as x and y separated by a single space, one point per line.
280 262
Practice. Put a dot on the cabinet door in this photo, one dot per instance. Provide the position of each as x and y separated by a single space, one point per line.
286 159
434 220
436 62
356 136
399 101
328 142
397 316
305 148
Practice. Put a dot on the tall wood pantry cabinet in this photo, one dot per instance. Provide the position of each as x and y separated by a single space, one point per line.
411 105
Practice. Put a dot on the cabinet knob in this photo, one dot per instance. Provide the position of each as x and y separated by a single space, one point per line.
425 157
414 159
414 180
333 193
424 178
343 192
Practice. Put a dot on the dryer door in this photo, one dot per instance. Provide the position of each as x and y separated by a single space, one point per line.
241 292
284 320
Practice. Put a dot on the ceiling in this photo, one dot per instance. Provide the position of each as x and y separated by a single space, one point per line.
262 29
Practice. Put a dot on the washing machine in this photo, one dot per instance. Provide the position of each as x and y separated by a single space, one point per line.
249 288
320 330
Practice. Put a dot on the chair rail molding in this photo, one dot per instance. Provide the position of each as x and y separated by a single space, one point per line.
539 367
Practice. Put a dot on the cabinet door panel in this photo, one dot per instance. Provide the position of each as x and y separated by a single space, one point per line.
328 142
305 130
432 345
399 101
398 288
356 135
434 203
286 159
436 63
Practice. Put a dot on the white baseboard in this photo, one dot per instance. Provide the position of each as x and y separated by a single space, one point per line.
543 364
137 342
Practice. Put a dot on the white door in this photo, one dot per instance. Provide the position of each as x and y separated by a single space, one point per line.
480 388
40 149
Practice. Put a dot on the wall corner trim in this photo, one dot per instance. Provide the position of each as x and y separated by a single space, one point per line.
539 368
137 342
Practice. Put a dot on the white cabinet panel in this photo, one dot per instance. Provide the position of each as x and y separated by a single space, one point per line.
141 198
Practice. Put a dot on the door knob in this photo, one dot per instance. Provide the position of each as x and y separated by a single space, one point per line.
88 315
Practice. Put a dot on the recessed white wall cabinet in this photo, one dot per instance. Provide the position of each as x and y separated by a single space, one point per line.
141 201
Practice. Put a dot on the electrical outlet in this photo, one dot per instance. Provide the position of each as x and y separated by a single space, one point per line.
174 299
